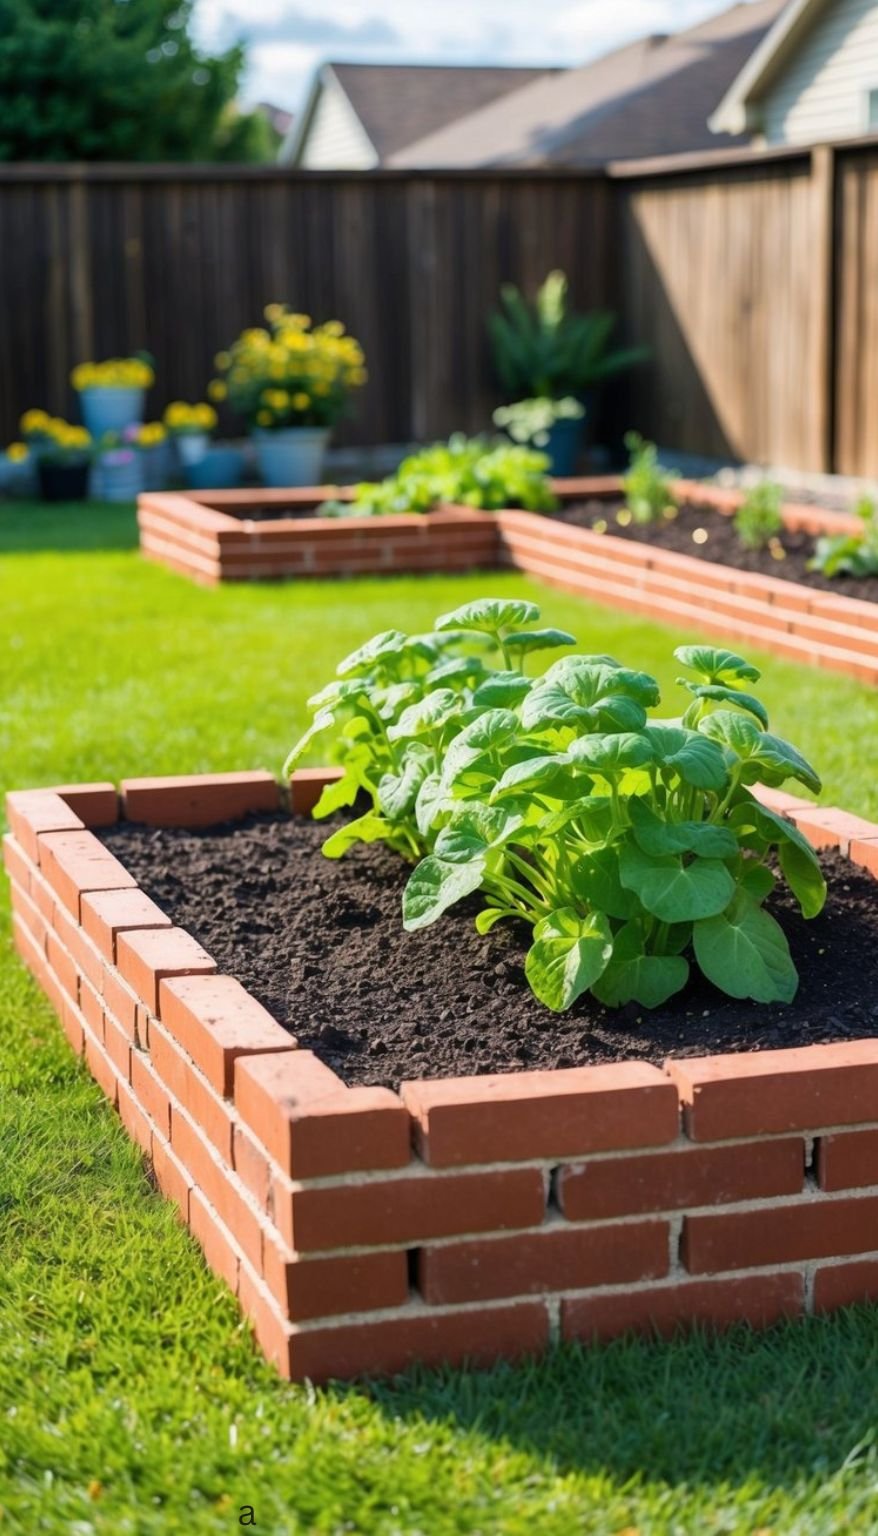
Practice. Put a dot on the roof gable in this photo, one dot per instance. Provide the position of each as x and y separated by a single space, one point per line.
766 63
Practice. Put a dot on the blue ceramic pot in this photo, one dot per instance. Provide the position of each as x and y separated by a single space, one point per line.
221 469
106 409
291 456
118 475
565 446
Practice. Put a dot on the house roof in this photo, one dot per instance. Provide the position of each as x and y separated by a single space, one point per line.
765 63
652 97
398 103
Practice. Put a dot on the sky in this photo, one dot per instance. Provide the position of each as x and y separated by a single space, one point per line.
287 39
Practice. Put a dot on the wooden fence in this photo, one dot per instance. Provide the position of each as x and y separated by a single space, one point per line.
753 278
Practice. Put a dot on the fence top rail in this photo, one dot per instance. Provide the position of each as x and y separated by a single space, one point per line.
171 171
742 157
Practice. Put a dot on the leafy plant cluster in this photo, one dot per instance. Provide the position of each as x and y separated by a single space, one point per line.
632 846
648 485
547 348
531 421
465 471
758 520
850 554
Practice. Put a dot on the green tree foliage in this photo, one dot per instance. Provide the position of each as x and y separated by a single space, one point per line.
118 80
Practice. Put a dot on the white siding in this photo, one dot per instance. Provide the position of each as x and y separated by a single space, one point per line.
336 139
822 92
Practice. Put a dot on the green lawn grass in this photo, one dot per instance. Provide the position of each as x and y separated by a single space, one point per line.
132 1399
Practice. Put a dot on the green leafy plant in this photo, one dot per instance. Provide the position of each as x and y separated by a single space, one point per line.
758 520
648 486
850 554
465 471
632 846
531 421
546 348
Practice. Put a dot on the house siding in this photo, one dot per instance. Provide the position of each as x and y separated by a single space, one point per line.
822 92
336 139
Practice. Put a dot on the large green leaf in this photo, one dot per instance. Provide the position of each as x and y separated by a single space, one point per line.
380 649
370 828
336 796
554 778
426 716
595 880
706 694
698 762
716 665
674 891
502 690
538 640
482 736
656 836
611 755
798 861
633 976
567 956
435 885
319 724
590 694
766 757
744 952
490 615
474 831
397 792
454 669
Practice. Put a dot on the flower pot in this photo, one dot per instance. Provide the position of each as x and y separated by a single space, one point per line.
157 466
106 409
191 447
564 446
63 482
219 469
118 476
291 456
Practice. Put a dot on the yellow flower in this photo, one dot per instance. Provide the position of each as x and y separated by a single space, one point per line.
301 401
113 373
16 452
34 421
222 361
301 322
334 328
217 389
151 434
204 416
273 313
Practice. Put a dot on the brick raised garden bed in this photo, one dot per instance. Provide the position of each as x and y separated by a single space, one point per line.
210 538
461 1219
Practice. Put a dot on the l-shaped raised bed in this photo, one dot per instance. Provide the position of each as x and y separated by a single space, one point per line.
364 1227
250 535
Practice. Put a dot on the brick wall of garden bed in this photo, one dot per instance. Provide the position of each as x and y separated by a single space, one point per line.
472 1219
208 538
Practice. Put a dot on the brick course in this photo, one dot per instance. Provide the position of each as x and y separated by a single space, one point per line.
465 1219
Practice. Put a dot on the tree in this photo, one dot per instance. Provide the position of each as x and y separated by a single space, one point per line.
118 80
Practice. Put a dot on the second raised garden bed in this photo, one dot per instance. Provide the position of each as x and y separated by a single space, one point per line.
235 535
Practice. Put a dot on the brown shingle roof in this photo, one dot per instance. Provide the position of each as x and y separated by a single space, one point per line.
653 97
399 103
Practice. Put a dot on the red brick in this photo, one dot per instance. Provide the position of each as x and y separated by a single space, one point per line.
210 1113
101 1067
354 1282
217 1183
151 1094
73 1025
97 805
864 851
118 1047
33 811
307 785
759 1300
120 1001
848 1161
273 1332
198 800
387 1346
136 1123
670 1181
18 866
29 915
542 1114
44 896
762 1093
214 1238
29 951
107 913
406 1210
561 1258
780 1234
828 827
313 1125
172 1178
92 1008
62 964
251 1165
216 1020
85 957
146 956
845 1285
75 862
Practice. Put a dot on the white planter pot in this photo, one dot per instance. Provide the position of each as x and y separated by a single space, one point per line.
291 456
192 446
110 410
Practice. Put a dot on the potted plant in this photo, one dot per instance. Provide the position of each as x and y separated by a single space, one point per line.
152 444
189 427
119 467
291 381
553 426
17 470
548 350
112 393
63 455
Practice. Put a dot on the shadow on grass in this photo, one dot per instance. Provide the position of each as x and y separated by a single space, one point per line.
798 1401
40 527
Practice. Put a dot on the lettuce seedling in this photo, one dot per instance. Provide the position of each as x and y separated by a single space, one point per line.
632 846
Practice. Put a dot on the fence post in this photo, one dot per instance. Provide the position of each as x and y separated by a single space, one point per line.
823 381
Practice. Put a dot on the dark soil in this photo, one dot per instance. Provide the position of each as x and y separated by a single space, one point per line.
722 546
321 944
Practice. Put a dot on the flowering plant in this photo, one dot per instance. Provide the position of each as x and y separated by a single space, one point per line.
53 440
150 434
16 453
113 373
182 419
290 374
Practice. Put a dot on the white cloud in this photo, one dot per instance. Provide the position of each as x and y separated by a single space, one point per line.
289 38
